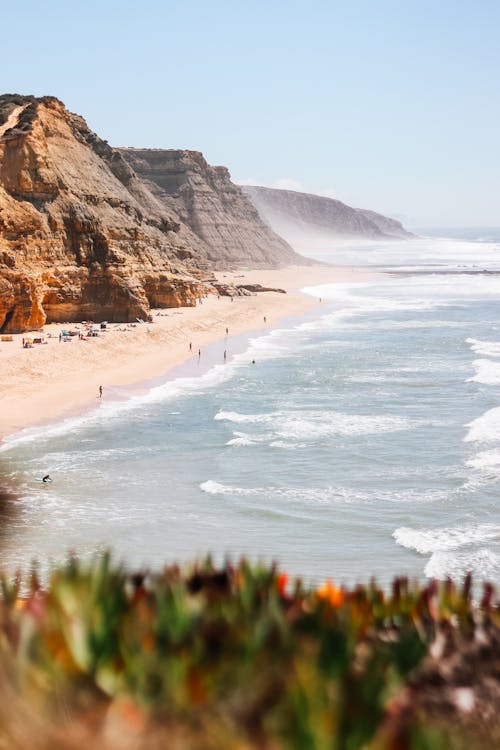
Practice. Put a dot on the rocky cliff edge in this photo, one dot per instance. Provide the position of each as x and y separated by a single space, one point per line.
216 210
80 236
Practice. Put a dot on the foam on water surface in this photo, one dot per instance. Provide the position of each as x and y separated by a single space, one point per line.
484 564
485 428
485 348
487 372
428 541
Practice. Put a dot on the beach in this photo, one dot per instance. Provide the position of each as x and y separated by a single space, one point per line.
53 380
351 436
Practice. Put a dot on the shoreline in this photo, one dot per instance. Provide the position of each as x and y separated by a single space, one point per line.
51 382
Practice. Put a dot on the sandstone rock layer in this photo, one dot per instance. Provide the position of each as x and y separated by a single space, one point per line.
215 209
80 236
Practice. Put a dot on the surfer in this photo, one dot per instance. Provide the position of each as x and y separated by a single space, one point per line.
46 478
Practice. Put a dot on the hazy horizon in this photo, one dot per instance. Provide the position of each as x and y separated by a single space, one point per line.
390 107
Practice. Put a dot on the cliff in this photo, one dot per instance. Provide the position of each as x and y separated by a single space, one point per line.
215 209
80 236
296 216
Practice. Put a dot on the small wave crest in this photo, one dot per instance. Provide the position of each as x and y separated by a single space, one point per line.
484 348
330 494
487 372
242 439
321 495
318 424
485 428
234 416
484 564
428 541
488 461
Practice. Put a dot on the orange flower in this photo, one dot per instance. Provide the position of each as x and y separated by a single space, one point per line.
331 593
281 583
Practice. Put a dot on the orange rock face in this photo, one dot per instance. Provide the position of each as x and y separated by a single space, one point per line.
81 237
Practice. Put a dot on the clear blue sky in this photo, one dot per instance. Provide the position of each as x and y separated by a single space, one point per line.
391 104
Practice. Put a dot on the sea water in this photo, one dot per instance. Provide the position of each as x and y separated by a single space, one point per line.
362 442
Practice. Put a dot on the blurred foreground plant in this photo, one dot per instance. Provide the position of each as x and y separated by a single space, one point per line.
231 657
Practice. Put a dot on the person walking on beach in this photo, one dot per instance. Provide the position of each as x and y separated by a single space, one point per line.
190 346
100 391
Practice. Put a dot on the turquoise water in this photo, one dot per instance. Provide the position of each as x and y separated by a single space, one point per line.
363 442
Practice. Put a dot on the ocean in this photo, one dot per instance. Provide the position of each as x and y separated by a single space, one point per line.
363 441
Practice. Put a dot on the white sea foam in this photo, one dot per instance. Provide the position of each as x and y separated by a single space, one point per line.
484 348
396 325
287 446
290 494
243 439
318 424
428 541
485 428
327 495
487 372
234 416
487 461
483 564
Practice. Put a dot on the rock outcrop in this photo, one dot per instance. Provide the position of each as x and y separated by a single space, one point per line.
297 215
215 209
81 237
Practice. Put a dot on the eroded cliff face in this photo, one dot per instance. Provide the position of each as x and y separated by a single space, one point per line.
216 210
296 216
81 237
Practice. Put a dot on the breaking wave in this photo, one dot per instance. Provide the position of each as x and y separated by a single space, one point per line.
484 564
428 541
484 348
487 372
485 428
318 424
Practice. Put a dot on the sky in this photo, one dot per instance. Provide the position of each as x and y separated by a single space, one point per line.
388 105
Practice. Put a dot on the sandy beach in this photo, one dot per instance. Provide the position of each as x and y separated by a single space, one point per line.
53 380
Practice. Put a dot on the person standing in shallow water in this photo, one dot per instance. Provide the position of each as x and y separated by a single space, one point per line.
100 391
